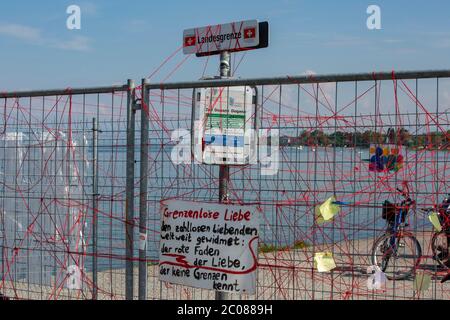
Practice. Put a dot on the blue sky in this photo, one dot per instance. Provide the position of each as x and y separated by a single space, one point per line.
121 40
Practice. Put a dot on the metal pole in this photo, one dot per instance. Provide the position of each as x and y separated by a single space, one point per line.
2 230
143 193
308 79
94 206
129 213
63 92
225 65
224 170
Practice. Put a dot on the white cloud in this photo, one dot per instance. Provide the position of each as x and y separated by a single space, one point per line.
77 43
35 36
21 32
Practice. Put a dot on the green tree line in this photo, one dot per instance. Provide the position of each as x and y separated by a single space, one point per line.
401 136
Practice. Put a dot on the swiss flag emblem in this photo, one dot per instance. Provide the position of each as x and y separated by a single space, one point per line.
189 41
249 33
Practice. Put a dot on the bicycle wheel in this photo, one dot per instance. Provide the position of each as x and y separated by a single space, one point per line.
439 245
396 255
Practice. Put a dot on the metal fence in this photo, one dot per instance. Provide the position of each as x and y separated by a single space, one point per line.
54 143
80 184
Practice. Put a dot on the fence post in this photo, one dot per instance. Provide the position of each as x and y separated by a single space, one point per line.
94 206
143 192
129 211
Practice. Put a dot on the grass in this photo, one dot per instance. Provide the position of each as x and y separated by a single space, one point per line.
300 244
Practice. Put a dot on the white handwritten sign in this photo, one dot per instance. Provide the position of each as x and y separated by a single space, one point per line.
209 246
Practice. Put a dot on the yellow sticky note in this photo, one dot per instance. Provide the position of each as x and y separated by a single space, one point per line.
434 219
422 281
318 215
328 209
324 261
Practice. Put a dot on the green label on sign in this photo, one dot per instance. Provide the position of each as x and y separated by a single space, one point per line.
230 121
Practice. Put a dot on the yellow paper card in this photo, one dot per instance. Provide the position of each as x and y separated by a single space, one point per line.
422 281
324 261
318 215
434 219
328 209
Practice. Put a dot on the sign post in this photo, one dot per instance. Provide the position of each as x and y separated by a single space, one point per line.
225 39
224 170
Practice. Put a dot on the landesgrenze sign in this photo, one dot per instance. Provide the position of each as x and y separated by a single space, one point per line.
232 37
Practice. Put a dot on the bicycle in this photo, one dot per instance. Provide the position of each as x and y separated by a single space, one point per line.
441 239
397 252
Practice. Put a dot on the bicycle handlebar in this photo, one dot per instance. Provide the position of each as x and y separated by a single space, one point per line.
403 192
405 195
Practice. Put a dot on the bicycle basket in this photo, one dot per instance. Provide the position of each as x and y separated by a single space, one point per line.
389 211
